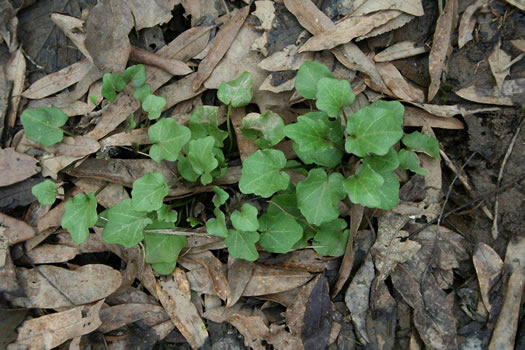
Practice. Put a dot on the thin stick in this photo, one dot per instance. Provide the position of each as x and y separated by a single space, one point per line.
500 176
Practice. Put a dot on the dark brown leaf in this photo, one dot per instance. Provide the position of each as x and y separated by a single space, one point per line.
317 323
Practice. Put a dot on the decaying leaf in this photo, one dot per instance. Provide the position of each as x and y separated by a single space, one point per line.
317 321
286 59
84 285
15 230
109 194
215 271
118 316
150 13
396 83
488 266
20 165
16 73
412 7
52 253
511 93
51 330
499 64
239 274
399 50
468 22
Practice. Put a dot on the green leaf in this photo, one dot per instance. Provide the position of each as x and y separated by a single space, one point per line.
203 122
80 214
201 157
217 226
261 173
238 92
331 238
394 107
153 105
136 74
372 129
125 225
423 143
318 195
148 192
142 92
307 77
266 129
162 248
388 162
193 221
333 95
279 233
284 203
241 245
316 139
166 214
168 138
220 197
389 192
43 124
246 219
164 268
111 84
410 161
363 186
185 169
45 192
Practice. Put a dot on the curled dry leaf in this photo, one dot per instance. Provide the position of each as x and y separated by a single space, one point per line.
20 165
107 27
418 117
110 195
73 28
512 93
499 64
396 83
363 7
389 26
215 270
171 66
118 316
468 22
16 73
49 331
239 274
399 50
15 230
441 46
84 285
286 59
52 253
488 267
134 137
150 13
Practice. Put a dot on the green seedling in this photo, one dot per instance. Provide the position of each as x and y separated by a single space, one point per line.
45 192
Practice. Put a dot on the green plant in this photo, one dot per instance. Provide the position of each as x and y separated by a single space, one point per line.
328 144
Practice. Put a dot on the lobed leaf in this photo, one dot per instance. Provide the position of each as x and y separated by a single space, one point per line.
241 245
279 233
111 85
331 238
308 76
79 215
262 173
266 129
45 192
410 161
148 192
362 187
202 159
168 138
238 92
142 92
125 225
203 122
162 248
423 143
153 105
220 197
333 95
388 162
246 219
217 226
164 268
136 75
43 124
166 214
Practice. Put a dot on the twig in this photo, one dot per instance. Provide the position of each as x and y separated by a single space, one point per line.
500 176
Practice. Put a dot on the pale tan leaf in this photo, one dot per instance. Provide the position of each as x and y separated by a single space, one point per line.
52 164
174 295
412 7
73 28
118 316
49 331
110 195
172 66
348 29
55 82
396 83
84 285
389 26
499 64
448 111
518 3
512 93
268 280
150 13
16 73
441 46
15 230
239 274
399 50
267 85
286 59
246 146
179 91
519 44
488 267
215 270
133 137
468 22
265 12
17 166
419 117
52 253
74 146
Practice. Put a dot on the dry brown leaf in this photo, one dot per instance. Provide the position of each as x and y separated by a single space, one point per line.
49 331
58 81
118 316
15 230
20 166
396 83
5 91
468 22
179 91
268 280
399 50
72 146
518 3
382 318
73 28
133 137
183 47
71 109
488 267
389 250
267 85
295 312
150 13
107 27
52 164
357 297
286 59
418 117
8 277
8 25
303 259
16 73
348 29
363 7
499 65
519 44
172 66
246 146
219 46
448 111
389 26
215 270
441 46
110 195
174 294
512 93
52 253
4 247
84 285
239 274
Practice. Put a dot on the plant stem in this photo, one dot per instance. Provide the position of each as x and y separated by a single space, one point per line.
228 121
67 133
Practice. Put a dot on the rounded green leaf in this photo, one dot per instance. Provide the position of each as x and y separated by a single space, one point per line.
45 192
410 161
262 173
389 191
388 162
318 195
111 85
423 143
279 233
246 219
168 138
372 129
284 203
125 225
185 170
79 215
153 105
333 95
162 248
203 122
202 158
394 107
241 245
164 268
220 197
136 74
331 238
142 92
217 226
166 214
148 192
307 77
266 129
238 92
363 187
43 124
